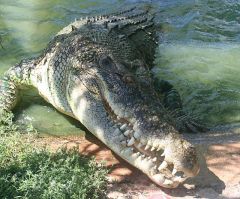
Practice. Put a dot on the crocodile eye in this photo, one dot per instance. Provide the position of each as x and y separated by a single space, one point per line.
128 78
106 61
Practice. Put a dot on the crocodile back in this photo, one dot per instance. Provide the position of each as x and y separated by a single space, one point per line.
135 24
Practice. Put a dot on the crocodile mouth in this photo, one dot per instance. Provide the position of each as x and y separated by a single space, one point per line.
141 153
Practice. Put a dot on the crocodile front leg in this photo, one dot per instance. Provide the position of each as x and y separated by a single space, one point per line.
172 101
171 97
14 79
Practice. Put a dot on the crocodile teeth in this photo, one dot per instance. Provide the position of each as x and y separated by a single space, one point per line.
163 165
154 159
146 147
135 155
140 145
159 148
152 149
126 133
131 141
136 134
174 171
142 156
167 182
163 154
123 127
135 126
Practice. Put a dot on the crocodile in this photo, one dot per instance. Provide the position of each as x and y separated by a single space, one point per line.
98 71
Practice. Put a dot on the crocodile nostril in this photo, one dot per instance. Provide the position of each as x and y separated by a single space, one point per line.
128 78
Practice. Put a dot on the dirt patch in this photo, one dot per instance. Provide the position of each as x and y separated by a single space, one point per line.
219 176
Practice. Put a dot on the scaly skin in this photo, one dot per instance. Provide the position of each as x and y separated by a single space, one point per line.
97 71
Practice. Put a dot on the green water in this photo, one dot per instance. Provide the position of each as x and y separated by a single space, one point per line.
198 52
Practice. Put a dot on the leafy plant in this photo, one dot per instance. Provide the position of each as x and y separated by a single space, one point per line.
33 172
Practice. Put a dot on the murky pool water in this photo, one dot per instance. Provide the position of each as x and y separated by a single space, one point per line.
199 52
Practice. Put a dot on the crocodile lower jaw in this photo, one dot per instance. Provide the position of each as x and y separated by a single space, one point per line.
147 158
142 154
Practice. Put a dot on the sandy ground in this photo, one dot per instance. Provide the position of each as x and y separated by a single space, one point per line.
219 155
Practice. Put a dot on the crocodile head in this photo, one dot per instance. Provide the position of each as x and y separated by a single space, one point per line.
111 104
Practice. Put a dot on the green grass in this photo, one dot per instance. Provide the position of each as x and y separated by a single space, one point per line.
32 172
